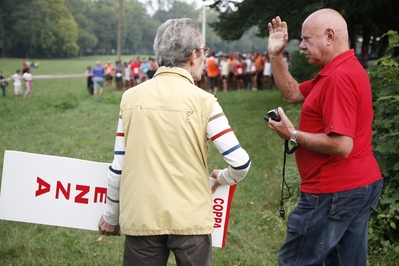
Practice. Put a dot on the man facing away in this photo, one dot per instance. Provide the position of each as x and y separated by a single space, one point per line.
158 183
340 178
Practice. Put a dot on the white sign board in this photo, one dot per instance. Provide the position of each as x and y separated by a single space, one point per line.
71 193
221 213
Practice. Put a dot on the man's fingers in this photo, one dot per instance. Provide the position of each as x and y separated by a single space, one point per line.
109 233
284 25
276 22
276 25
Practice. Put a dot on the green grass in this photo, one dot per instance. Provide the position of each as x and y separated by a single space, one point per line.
62 119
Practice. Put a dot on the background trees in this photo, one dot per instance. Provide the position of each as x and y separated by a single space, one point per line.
384 231
38 27
367 19
65 28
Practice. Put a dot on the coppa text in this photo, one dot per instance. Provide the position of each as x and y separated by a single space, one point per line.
100 193
218 212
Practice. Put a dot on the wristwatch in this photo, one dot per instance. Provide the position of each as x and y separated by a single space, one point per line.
293 140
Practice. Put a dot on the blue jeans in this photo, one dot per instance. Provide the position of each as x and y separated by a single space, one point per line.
330 229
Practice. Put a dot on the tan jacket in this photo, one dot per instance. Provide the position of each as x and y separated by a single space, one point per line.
164 186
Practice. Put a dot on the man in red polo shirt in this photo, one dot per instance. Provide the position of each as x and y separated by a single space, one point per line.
340 178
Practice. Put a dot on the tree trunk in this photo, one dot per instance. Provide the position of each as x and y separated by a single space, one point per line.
119 48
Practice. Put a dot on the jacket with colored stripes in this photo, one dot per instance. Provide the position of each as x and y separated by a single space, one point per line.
158 182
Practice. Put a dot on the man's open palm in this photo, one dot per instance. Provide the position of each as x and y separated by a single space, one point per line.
278 36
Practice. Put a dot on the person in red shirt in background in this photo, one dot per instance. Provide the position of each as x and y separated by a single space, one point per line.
239 71
135 68
213 72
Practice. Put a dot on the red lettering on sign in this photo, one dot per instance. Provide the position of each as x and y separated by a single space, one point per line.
65 192
44 187
79 198
218 212
102 192
217 207
218 201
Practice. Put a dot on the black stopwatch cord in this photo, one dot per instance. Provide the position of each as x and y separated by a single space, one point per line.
287 150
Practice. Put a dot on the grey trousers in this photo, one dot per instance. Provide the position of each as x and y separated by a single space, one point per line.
189 250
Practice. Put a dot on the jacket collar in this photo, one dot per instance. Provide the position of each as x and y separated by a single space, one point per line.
174 71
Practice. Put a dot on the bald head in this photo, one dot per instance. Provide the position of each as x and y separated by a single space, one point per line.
325 35
329 19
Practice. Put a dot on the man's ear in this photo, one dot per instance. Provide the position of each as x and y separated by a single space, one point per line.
192 57
330 35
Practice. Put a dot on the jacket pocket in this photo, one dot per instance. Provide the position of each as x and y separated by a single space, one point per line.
187 111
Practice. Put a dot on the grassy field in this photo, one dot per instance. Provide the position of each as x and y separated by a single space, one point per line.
62 119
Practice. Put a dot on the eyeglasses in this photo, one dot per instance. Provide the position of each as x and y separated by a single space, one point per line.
206 50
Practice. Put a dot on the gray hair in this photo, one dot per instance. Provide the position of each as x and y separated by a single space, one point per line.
175 40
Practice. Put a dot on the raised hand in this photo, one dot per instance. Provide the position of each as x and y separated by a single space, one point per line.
278 36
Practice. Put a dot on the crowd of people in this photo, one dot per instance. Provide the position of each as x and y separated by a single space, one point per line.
238 71
124 76
233 71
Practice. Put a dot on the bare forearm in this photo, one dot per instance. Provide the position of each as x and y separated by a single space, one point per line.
287 85
332 144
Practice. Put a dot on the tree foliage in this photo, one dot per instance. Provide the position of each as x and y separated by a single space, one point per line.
64 28
38 27
366 18
384 75
86 37
62 31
